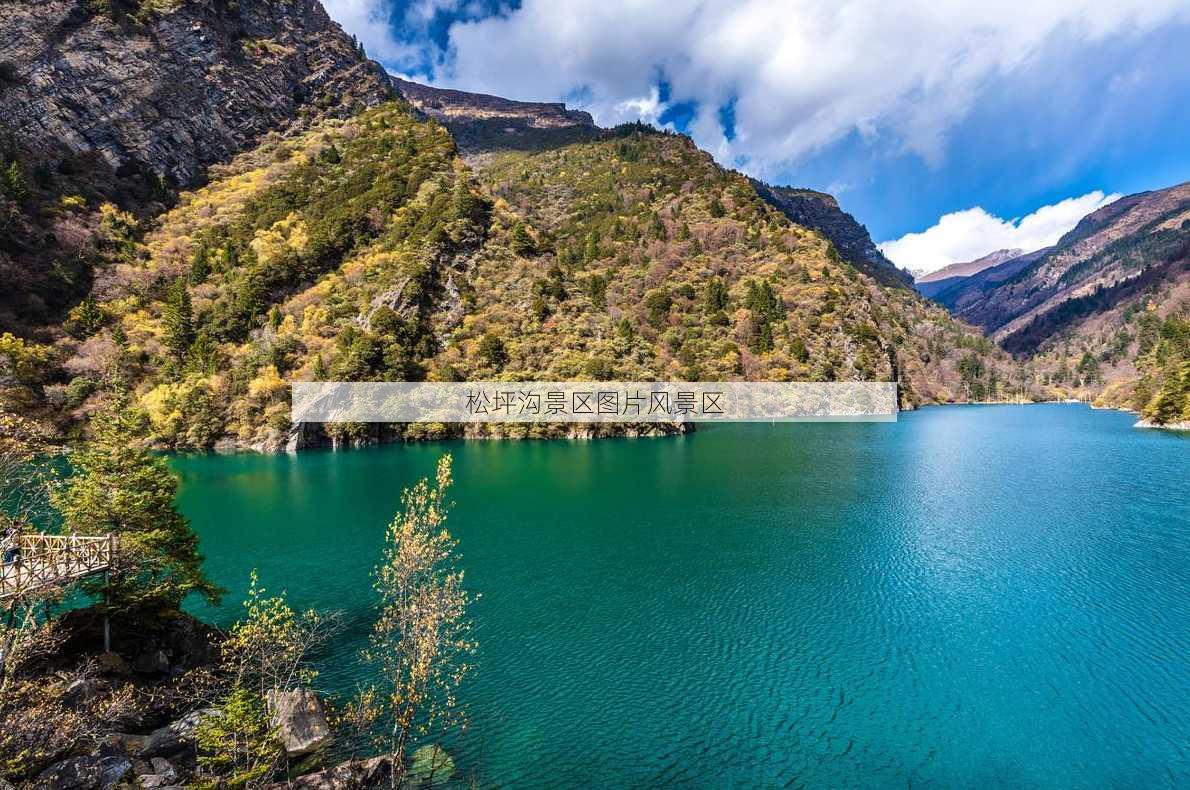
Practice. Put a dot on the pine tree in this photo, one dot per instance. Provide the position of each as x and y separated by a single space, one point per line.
89 317
120 489
519 240
15 187
200 265
714 295
178 318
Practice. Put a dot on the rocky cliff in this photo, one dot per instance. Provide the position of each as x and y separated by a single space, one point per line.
820 211
174 86
482 123
117 103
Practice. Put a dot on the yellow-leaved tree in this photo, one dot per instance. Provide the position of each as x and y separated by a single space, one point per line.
421 641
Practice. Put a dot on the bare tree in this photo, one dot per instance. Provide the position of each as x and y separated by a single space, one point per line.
422 638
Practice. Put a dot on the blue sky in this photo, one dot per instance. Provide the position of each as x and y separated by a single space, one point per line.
947 126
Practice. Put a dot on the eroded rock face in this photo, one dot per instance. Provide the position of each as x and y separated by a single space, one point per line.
481 123
189 86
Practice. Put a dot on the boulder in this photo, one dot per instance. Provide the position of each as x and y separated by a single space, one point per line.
301 720
89 772
83 690
123 743
154 662
176 736
113 664
350 775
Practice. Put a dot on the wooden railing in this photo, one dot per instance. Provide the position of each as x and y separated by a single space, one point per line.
54 560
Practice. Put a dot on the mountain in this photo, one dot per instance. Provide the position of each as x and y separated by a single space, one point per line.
821 212
356 242
959 294
482 123
1105 312
1139 237
115 101
933 283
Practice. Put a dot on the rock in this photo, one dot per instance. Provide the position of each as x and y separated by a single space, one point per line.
82 690
164 770
84 773
155 662
176 736
183 89
301 718
124 743
112 664
350 775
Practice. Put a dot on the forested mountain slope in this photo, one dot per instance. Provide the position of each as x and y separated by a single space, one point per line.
1143 236
820 211
367 250
358 244
1103 312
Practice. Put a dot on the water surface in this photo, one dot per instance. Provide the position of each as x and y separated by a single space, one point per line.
981 596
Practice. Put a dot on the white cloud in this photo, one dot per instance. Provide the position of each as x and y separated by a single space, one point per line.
967 235
369 21
803 73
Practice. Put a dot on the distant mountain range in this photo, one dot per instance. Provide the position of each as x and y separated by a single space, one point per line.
1025 299
1104 313
933 283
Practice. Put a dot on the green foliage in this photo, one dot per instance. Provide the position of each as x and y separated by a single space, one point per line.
237 747
519 240
200 264
177 318
117 488
491 351
13 184
657 306
763 301
714 295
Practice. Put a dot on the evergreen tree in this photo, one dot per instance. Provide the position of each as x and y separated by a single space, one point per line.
121 489
491 350
15 187
320 372
200 264
519 240
714 295
797 348
203 356
178 318
89 317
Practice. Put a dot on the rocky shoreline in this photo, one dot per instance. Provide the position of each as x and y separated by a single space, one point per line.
133 714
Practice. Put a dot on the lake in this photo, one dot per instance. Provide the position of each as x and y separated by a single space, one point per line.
993 596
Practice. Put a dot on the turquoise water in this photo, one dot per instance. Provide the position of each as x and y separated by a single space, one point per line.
972 596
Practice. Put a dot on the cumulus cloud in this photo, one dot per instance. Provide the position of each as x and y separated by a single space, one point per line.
370 22
801 74
967 235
